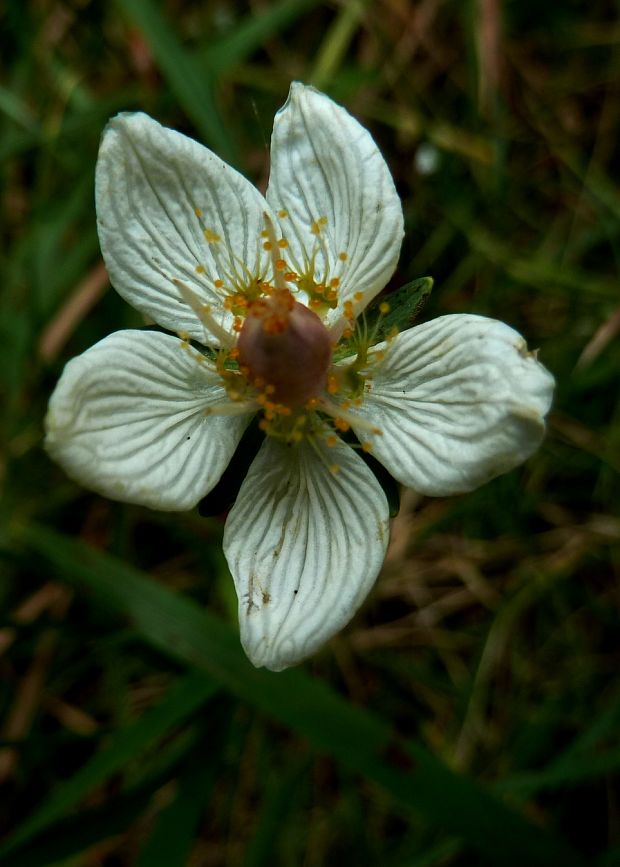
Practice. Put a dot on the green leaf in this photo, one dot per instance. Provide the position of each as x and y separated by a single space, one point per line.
353 736
277 803
75 834
405 305
194 90
174 833
253 31
183 699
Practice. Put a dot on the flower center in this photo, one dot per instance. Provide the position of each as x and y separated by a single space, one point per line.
285 348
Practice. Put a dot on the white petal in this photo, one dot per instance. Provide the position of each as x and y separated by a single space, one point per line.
460 400
304 546
325 165
157 192
127 420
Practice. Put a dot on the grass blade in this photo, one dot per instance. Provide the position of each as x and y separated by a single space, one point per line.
183 699
188 83
353 736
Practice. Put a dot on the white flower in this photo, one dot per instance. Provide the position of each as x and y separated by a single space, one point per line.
270 285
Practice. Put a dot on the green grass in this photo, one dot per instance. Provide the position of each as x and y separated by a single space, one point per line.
470 713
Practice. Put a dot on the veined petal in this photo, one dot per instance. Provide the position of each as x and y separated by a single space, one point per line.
127 419
459 400
169 209
304 545
329 178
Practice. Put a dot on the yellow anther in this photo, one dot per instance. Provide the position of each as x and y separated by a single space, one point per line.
264 233
334 282
367 447
331 441
312 403
183 335
341 424
332 384
218 283
384 308
291 277
343 256
358 296
334 469
280 264
211 236
348 310
322 221
283 243
282 213
198 212
267 245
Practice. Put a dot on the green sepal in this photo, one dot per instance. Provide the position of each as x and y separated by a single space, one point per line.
405 305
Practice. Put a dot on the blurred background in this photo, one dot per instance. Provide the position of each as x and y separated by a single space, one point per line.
470 714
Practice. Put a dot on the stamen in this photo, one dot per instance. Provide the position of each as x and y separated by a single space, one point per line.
203 312
332 468
210 236
231 409
272 246
341 416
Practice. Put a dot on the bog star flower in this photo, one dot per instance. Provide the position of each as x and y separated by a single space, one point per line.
269 286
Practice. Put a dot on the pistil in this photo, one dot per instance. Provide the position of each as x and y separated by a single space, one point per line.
285 348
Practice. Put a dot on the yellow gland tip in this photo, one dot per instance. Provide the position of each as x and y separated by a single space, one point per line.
211 236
